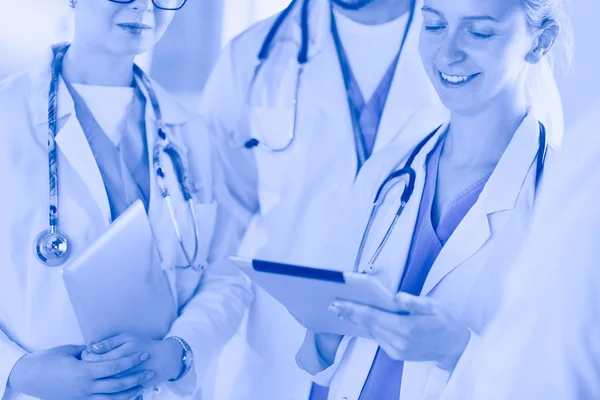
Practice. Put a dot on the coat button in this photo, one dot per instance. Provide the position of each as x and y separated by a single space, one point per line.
344 398
157 389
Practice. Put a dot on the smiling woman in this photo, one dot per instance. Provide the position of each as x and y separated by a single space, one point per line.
476 178
476 58
109 34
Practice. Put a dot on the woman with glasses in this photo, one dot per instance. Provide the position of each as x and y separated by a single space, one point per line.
85 135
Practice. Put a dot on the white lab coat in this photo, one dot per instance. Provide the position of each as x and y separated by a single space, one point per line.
544 342
35 311
302 190
466 275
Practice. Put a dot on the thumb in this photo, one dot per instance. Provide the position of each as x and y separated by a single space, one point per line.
414 304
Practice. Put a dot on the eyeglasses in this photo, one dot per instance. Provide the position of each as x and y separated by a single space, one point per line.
169 5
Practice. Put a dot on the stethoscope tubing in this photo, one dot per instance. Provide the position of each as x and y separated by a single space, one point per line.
407 171
52 247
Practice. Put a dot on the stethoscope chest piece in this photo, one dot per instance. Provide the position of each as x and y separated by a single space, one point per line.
52 248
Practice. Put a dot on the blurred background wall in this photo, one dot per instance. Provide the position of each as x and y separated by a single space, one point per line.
582 88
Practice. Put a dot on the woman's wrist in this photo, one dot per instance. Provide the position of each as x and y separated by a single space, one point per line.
176 365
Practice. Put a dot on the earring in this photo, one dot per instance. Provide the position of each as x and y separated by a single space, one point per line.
72 3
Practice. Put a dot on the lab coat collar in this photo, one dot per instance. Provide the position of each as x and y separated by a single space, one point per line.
173 113
158 213
73 144
504 185
514 171
319 25
409 77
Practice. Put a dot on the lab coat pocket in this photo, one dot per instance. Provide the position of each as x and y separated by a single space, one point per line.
273 127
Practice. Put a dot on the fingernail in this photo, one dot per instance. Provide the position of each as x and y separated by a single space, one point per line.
140 393
97 346
150 375
144 357
335 307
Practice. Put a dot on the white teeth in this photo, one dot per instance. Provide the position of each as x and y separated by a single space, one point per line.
455 78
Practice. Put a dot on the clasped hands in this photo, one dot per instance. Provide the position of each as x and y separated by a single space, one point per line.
119 368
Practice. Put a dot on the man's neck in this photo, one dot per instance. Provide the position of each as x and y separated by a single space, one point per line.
377 12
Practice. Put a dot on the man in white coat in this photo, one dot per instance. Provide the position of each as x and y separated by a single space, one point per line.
361 87
545 340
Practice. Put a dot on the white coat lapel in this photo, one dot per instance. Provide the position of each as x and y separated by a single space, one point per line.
318 26
158 213
173 114
73 144
500 194
470 235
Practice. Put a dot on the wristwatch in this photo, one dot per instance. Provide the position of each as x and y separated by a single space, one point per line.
187 359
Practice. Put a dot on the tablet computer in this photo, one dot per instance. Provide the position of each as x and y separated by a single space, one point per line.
116 285
307 292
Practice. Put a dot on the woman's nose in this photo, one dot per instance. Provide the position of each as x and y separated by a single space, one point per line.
143 5
450 51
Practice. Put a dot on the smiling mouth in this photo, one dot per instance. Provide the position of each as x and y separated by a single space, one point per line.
134 27
456 80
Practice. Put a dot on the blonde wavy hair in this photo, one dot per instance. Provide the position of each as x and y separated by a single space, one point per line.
542 90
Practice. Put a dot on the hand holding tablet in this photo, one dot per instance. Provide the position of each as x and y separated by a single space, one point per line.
308 292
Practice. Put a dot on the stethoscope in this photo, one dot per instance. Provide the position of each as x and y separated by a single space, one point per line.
301 60
408 176
52 247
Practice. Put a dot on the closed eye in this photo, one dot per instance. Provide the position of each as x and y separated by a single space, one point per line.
434 28
479 35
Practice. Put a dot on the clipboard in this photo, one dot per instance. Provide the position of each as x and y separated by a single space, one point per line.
307 292
116 285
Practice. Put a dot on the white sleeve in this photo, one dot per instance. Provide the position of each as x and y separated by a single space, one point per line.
210 319
214 314
309 359
221 107
10 353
